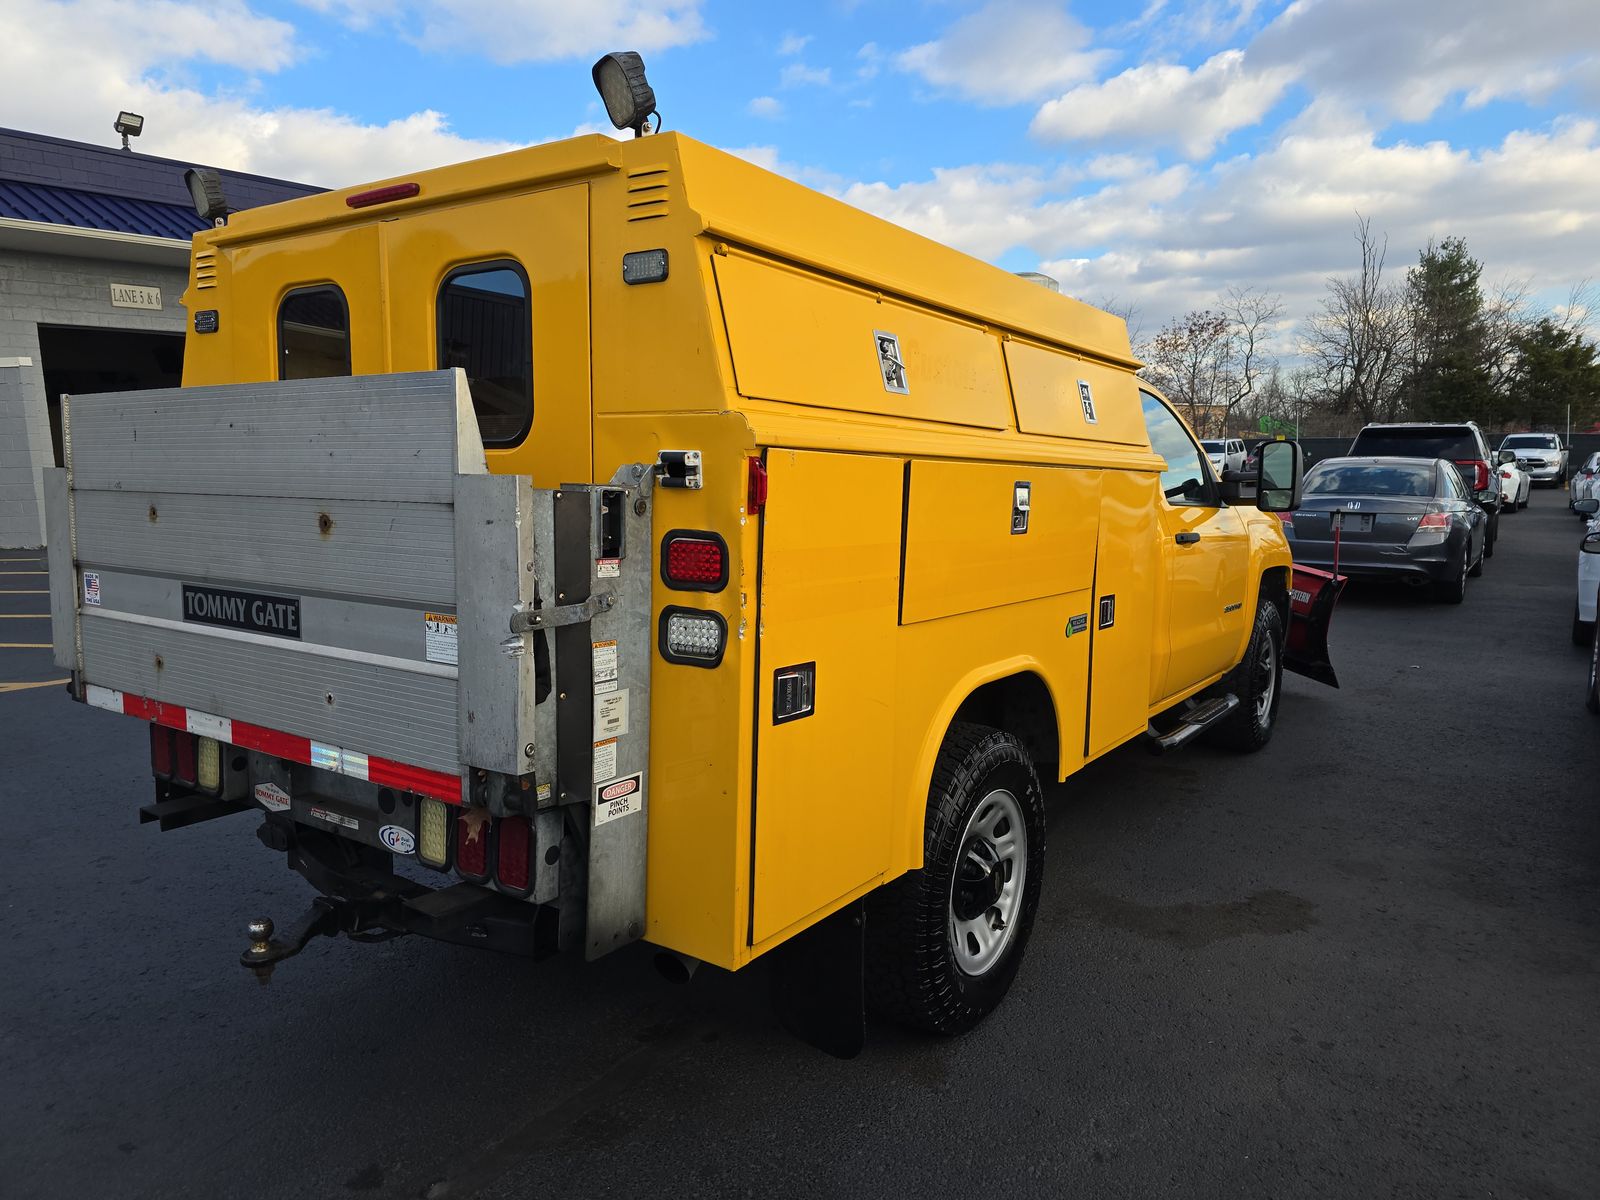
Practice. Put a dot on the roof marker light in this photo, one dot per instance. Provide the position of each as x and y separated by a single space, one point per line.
383 195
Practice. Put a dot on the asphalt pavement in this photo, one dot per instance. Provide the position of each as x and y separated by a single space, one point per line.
1360 963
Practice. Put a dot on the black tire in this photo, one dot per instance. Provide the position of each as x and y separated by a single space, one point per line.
1591 700
1454 589
1581 630
1258 682
914 971
1477 568
1490 534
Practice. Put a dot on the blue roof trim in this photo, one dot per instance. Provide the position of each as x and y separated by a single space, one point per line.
96 210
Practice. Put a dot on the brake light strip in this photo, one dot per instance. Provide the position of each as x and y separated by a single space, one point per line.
357 765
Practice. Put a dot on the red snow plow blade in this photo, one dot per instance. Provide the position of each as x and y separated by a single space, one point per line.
1312 596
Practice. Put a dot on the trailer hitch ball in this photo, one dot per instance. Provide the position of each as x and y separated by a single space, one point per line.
259 957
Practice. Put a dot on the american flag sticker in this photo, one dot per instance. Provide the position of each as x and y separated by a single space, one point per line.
91 588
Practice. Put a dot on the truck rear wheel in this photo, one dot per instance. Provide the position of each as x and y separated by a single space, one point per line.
944 942
1258 682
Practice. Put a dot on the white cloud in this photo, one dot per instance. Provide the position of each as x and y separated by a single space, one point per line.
798 74
1166 104
1406 60
510 31
141 61
1171 239
765 106
1006 52
793 43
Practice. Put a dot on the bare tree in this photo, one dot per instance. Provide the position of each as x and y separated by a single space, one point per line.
1356 341
1209 362
1128 310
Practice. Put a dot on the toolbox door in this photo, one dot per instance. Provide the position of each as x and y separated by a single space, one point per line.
830 568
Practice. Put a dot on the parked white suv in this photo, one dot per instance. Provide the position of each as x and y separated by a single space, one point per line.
1226 454
1541 455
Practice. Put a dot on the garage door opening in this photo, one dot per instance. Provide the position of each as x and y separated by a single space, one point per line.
77 361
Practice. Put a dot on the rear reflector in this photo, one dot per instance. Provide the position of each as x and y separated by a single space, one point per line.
692 560
160 750
184 768
512 835
433 846
756 500
210 768
692 637
382 195
472 843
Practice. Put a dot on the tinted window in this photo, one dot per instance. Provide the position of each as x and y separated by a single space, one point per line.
1368 479
486 328
1454 486
1530 441
313 334
1186 479
1426 441
1212 447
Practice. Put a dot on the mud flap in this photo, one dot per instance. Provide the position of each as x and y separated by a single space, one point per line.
818 988
1312 596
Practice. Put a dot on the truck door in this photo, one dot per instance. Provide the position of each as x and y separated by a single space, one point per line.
1206 551
500 288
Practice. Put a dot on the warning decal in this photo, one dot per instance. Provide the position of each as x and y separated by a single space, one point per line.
605 666
605 760
618 799
439 633
272 797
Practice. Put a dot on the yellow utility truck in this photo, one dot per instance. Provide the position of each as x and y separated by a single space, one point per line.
613 540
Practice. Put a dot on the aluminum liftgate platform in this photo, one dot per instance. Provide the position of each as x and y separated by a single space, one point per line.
328 564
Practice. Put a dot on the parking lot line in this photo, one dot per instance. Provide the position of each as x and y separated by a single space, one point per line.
9 592
24 572
22 687
24 616
24 645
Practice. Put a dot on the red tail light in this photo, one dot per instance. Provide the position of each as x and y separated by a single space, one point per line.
473 826
694 561
1505 474
1287 518
1480 472
160 750
757 498
512 838
1437 520
184 768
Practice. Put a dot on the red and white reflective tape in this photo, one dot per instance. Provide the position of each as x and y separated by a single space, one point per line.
283 745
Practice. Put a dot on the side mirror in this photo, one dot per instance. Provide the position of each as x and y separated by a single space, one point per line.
1279 476
1506 456
1587 507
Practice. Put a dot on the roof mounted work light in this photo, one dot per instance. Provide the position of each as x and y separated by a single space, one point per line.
128 124
628 97
205 189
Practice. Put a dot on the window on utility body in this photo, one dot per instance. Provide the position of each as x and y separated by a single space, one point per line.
486 329
313 334
1187 479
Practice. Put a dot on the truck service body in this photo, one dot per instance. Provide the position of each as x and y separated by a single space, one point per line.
927 493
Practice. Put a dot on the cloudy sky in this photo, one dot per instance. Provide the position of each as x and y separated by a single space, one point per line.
1154 156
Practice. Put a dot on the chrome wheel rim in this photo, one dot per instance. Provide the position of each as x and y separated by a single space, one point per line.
1266 677
986 893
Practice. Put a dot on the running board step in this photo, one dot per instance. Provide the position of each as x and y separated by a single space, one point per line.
1193 723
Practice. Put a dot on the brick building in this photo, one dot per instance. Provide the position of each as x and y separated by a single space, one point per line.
94 252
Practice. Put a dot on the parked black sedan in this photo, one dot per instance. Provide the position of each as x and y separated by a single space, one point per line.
1409 519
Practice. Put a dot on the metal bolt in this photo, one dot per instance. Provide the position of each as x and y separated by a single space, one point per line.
527 751
639 507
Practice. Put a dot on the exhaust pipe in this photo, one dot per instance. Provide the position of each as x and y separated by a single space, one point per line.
675 967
